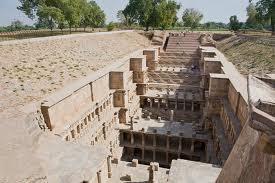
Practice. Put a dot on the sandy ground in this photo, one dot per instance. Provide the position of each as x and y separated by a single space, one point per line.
30 70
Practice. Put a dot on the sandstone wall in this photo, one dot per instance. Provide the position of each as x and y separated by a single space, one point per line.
246 162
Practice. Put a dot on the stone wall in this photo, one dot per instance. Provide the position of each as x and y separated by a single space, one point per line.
250 159
89 110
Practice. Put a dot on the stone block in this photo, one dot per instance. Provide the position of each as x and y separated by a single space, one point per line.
115 161
117 80
134 162
138 64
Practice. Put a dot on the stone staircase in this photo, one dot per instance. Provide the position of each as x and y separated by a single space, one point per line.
181 51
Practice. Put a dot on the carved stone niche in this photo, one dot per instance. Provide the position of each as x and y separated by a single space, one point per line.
264 123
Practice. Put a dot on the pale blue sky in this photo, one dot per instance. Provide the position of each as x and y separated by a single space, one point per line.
213 10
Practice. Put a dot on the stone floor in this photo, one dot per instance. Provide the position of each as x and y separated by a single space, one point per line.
138 174
184 171
162 126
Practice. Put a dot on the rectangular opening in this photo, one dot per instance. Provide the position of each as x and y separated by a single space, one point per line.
186 144
161 141
160 156
174 143
180 105
196 106
137 153
199 146
126 139
127 154
149 140
171 104
188 106
137 138
148 155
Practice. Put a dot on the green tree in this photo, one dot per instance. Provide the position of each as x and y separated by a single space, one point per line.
139 11
93 16
266 12
52 14
62 12
251 14
191 18
234 23
152 13
29 7
167 13
121 17
73 12
48 12
110 26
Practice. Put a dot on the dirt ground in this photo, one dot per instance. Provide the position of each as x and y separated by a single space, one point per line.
30 70
249 56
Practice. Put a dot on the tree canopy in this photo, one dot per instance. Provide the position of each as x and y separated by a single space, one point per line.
266 12
63 12
234 23
252 15
191 18
154 13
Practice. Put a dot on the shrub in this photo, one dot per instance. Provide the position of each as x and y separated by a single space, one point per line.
110 26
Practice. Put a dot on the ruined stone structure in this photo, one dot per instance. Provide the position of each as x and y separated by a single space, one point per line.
177 113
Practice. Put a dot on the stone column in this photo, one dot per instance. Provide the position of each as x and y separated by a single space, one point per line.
172 115
132 138
151 103
184 106
167 146
152 175
192 145
159 100
176 102
142 139
166 104
131 123
154 145
167 142
99 177
109 166
154 140
180 147
192 106
104 131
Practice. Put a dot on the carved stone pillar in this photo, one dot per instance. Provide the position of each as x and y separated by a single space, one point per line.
172 115
152 173
192 146
132 138
159 103
99 179
109 166
184 106
151 103
180 147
